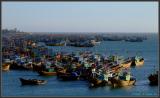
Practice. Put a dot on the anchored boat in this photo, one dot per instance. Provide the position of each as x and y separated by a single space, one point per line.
137 61
121 83
32 81
45 73
123 80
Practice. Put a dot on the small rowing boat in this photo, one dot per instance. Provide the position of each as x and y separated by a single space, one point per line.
32 81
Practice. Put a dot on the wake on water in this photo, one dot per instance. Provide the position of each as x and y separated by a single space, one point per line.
142 83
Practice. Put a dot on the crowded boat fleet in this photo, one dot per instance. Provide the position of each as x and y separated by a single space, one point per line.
94 68
19 53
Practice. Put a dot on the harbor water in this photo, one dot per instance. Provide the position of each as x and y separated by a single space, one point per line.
148 49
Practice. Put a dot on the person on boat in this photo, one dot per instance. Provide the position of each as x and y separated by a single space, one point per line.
93 72
128 76
137 58
105 76
114 58
86 65
110 74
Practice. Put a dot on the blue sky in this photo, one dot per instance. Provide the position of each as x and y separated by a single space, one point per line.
81 16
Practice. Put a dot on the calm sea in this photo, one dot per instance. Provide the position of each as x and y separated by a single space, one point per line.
11 85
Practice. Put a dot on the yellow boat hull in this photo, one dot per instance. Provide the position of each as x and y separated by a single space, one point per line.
122 83
5 67
140 63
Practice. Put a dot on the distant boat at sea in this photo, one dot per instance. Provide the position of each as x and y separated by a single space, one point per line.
81 44
134 39
55 43
113 38
95 42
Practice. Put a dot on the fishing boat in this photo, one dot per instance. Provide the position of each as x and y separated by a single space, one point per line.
134 39
45 73
113 38
82 44
55 44
122 79
122 82
5 67
153 79
32 81
137 61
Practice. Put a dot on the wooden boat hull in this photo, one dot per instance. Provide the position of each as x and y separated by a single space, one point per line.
116 69
140 63
94 82
44 73
61 72
5 67
127 64
122 83
32 81
137 63
55 44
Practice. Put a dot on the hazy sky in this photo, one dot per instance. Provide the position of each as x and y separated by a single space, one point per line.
81 16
